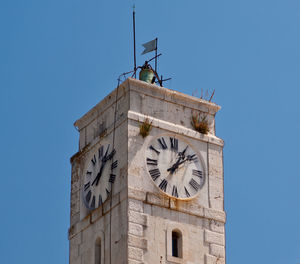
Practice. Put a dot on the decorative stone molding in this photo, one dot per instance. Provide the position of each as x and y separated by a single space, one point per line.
176 128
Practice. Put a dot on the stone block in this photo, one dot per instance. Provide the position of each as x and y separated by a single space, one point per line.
137 242
214 238
135 205
135 253
217 227
135 229
217 250
159 200
215 215
209 259
137 218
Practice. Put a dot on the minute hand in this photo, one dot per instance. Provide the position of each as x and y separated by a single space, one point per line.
188 158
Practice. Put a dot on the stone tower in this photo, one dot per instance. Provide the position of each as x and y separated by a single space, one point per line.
152 199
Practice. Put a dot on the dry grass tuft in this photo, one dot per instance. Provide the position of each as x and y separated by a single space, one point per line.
200 123
145 128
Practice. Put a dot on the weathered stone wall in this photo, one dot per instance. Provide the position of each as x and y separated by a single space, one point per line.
201 220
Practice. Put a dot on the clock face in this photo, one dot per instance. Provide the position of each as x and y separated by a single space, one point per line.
175 168
99 175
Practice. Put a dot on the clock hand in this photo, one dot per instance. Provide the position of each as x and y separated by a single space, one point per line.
188 158
179 161
183 152
98 175
96 180
174 166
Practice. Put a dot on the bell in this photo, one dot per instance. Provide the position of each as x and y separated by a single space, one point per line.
146 75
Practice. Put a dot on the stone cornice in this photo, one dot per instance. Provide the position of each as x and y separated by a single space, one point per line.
172 95
178 129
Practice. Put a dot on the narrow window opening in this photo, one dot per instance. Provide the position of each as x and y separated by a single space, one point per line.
176 244
98 251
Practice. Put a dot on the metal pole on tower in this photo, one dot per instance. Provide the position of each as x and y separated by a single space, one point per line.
156 54
134 51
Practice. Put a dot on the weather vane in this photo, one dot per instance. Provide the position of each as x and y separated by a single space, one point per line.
147 73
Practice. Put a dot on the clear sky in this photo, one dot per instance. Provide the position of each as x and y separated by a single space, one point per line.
59 58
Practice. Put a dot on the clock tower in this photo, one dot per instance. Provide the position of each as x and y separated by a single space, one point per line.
147 187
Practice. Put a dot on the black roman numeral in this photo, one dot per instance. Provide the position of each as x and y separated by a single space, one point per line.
89 172
154 149
88 196
112 178
100 200
162 143
114 165
87 185
100 151
197 173
94 160
93 202
155 173
163 185
192 157
194 184
151 161
174 144
174 191
187 192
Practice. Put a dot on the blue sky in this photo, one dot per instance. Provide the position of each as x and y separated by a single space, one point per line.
59 58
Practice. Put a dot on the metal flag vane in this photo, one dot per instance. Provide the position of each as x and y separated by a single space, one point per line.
147 73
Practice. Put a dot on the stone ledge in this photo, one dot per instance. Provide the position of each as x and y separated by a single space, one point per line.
160 200
185 207
169 95
78 227
176 128
136 194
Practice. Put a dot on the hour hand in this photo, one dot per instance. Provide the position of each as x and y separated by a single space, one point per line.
96 180
175 165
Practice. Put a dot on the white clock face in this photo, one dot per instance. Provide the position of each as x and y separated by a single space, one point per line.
99 176
175 167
